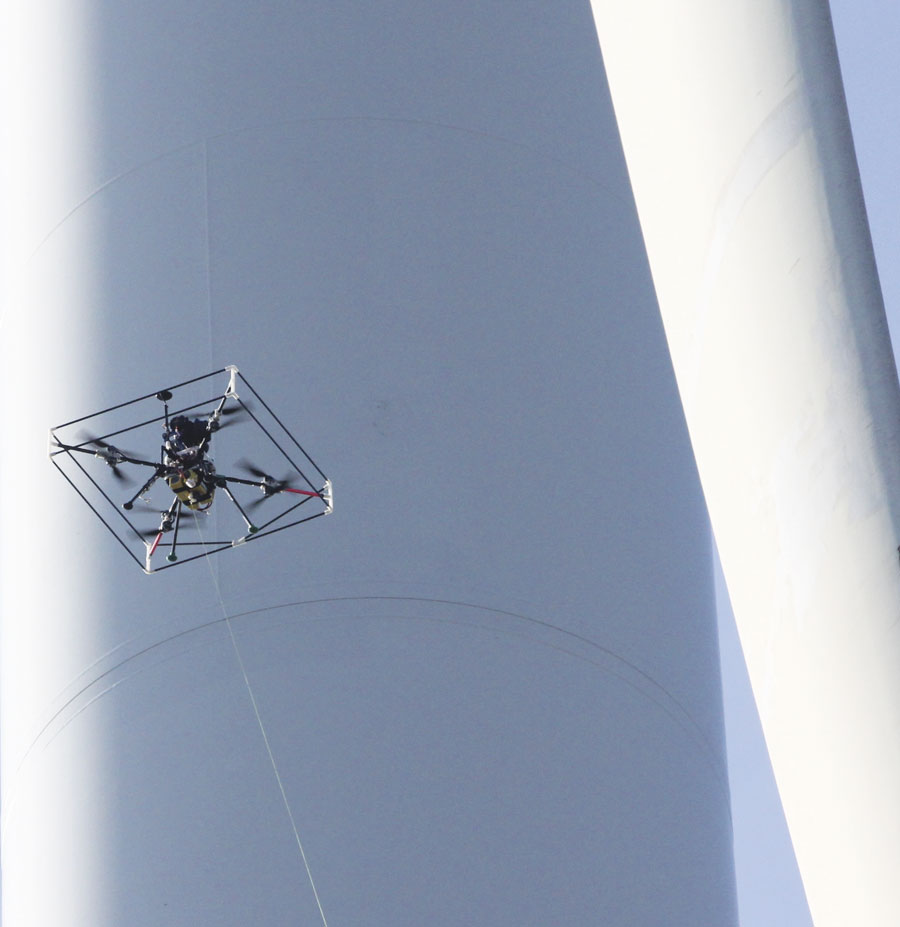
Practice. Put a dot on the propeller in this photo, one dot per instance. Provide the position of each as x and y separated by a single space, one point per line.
213 417
110 453
270 486
166 523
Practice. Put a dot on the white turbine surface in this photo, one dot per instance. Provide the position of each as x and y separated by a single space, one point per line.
739 151
485 690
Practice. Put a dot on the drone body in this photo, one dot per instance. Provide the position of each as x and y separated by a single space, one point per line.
185 467
194 488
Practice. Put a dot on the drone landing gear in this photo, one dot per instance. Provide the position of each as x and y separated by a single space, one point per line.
171 520
129 505
251 528
171 556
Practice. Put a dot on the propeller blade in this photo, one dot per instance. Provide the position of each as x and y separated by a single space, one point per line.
232 413
227 424
110 453
225 413
270 486
104 446
248 467
186 524
86 438
276 487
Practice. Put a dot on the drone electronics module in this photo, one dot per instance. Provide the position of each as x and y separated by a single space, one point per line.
173 504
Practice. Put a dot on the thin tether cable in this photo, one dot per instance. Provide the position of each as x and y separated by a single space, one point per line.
265 736
215 578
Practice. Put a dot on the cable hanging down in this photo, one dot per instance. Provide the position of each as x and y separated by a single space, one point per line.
265 737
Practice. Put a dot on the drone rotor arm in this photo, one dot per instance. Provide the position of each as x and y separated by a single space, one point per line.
222 480
301 492
123 458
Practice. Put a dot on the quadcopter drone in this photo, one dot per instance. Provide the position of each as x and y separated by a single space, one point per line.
187 470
